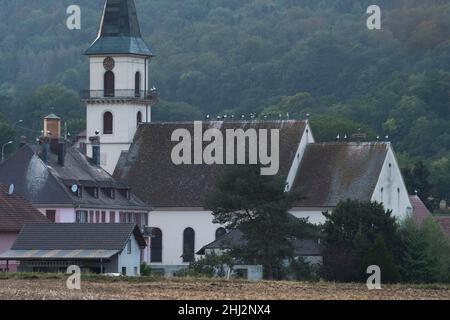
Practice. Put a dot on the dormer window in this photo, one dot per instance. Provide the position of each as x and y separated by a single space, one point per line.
125 193
93 191
112 193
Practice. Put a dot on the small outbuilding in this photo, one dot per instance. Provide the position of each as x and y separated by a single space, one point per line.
310 250
95 248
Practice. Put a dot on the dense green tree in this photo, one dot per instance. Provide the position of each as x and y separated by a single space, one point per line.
258 206
440 176
327 128
426 255
417 180
6 134
415 264
355 234
172 111
379 255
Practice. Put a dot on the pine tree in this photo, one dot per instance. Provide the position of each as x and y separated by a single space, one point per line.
351 232
258 206
414 266
379 255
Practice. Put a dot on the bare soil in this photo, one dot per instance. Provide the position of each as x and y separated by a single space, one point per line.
200 289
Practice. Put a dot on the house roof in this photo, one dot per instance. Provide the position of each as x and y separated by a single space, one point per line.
119 31
49 184
332 172
444 221
234 238
150 172
15 211
420 211
73 236
58 254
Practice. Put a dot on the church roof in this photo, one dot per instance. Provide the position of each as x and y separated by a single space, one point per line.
328 173
150 172
333 172
119 31
49 184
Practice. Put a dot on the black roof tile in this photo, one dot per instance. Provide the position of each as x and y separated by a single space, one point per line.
71 236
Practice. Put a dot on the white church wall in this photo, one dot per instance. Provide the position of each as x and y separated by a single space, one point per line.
391 189
306 139
173 224
124 72
314 215
124 128
124 114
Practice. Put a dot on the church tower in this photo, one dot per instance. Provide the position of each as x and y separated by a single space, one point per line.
118 98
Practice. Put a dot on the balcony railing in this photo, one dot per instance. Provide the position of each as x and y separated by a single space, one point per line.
144 95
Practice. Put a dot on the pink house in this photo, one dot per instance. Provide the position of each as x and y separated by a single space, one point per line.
15 211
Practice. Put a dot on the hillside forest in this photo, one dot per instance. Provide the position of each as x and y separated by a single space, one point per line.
273 59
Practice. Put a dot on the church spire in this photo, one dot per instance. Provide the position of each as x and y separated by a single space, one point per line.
119 31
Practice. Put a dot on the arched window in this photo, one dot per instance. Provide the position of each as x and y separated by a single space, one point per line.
156 246
137 84
108 123
189 245
220 233
139 118
109 84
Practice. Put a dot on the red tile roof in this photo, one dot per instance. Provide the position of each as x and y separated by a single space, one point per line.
444 221
420 211
15 211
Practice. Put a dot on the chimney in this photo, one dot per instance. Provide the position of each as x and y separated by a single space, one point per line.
45 148
23 141
61 152
95 141
52 126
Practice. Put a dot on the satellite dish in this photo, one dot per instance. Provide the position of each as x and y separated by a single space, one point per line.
74 188
11 189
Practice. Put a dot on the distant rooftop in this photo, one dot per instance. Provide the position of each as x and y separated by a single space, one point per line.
420 211
52 116
15 211
71 236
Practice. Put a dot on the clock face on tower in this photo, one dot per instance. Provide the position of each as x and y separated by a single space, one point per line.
109 64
